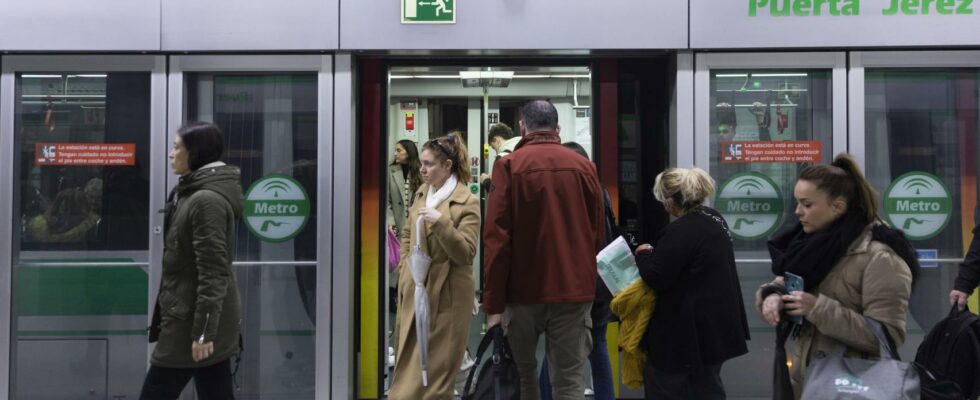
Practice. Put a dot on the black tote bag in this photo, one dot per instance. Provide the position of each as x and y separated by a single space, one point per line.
498 378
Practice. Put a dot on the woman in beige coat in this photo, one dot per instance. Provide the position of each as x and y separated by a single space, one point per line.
853 266
449 218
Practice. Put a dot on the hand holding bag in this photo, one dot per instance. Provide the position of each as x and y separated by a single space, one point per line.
498 379
836 377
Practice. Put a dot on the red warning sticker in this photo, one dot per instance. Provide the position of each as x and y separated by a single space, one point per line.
786 151
85 154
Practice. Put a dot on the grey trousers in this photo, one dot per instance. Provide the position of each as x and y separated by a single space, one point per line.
568 341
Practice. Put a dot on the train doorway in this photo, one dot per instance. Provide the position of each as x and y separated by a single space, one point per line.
618 110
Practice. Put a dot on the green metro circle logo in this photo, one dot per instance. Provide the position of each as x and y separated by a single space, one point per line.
276 208
752 204
920 204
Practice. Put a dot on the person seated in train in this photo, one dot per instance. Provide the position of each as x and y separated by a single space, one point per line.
68 219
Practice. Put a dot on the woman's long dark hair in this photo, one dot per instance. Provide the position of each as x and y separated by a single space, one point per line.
412 163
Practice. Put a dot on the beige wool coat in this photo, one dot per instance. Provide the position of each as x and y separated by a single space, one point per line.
451 243
870 280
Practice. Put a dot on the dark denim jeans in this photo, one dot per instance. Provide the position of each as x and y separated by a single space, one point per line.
602 380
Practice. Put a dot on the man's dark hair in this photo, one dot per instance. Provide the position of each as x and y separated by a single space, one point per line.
576 148
500 130
204 143
539 115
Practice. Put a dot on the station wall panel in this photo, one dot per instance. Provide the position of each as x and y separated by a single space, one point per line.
70 25
520 24
195 25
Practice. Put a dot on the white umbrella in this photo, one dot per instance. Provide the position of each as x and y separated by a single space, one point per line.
420 262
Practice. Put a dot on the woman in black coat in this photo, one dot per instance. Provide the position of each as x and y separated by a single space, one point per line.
699 318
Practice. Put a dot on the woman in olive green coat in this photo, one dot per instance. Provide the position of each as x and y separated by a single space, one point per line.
196 321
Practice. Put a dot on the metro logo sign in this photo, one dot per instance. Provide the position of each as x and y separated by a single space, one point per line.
276 208
752 204
919 204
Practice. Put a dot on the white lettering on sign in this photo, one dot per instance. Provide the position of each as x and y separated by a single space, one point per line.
916 206
748 206
266 208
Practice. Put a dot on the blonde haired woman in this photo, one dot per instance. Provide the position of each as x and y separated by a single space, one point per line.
445 222
699 318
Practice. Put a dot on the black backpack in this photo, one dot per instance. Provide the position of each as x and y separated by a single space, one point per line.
498 378
948 359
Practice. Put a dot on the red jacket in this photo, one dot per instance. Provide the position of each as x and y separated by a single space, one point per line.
544 226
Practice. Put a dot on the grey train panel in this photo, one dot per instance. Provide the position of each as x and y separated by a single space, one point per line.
65 25
85 367
520 24
249 25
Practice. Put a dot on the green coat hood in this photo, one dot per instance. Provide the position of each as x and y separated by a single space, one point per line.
225 180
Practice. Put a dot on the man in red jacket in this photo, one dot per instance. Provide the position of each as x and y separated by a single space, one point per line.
543 229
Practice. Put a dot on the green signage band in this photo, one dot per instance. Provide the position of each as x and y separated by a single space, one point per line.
276 208
918 203
752 204
816 8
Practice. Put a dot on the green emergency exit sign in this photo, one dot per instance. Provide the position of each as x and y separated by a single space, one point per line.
428 11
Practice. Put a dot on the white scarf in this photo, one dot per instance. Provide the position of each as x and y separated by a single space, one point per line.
436 197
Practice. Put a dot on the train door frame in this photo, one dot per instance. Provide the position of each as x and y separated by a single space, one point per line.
372 140
750 261
155 65
326 287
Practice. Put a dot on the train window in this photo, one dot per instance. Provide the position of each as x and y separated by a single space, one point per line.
269 121
81 218
270 127
83 143
921 155
765 126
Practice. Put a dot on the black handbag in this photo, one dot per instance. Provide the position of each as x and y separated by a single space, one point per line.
498 379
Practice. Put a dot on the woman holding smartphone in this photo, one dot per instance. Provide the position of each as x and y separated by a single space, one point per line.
851 264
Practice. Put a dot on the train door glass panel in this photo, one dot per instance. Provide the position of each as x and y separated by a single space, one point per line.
270 127
764 126
81 227
920 141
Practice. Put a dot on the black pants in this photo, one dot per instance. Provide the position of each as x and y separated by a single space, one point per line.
212 382
704 384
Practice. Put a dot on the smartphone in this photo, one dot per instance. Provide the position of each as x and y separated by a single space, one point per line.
794 283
